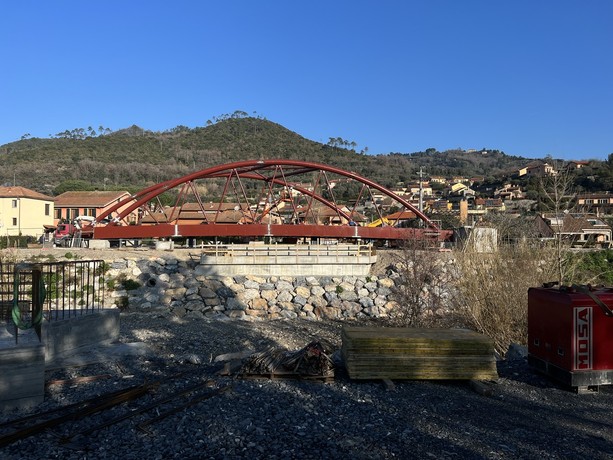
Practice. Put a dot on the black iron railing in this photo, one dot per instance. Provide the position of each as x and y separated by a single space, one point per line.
31 292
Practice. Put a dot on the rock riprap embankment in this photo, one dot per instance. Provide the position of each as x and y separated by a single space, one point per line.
183 288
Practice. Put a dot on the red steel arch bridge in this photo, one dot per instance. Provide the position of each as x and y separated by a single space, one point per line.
285 199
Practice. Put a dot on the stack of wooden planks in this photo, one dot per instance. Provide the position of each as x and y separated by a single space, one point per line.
415 353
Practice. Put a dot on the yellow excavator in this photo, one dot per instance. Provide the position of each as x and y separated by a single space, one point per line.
380 222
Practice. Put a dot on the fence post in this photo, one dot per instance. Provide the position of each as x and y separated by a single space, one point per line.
38 297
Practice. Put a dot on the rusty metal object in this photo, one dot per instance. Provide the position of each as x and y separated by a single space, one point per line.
308 362
83 409
143 426
153 405
77 380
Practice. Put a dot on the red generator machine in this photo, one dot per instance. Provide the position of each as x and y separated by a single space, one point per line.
570 335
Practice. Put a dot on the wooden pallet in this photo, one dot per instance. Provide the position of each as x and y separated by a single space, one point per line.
415 353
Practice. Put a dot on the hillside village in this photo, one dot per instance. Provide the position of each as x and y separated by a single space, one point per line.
452 202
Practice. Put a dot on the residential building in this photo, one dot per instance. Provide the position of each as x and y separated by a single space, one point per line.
461 190
579 230
537 170
509 192
426 189
70 205
402 218
489 204
401 191
438 180
323 215
24 212
571 165
439 206
597 203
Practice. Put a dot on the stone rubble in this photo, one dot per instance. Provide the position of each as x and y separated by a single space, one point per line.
526 417
182 319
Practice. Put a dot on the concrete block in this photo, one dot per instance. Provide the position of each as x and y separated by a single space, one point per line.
22 379
61 336
99 244
164 245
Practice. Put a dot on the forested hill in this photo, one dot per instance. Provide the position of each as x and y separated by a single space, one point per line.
133 158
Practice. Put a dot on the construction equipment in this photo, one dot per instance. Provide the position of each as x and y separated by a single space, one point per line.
570 335
380 222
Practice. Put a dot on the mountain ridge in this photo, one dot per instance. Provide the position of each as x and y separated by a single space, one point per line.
134 157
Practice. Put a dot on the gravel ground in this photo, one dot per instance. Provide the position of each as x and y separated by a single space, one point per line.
527 416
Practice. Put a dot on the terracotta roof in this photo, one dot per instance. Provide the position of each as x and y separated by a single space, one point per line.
198 215
357 217
22 192
595 195
401 215
233 217
94 199
212 207
154 218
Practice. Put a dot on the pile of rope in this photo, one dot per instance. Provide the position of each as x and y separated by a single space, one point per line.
311 360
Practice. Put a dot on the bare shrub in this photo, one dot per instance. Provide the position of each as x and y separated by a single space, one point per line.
423 288
492 289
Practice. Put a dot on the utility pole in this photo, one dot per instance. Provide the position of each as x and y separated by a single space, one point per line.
421 190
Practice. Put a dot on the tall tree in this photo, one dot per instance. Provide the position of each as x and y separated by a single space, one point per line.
557 193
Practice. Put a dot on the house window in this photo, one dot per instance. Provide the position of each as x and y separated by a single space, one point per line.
90 212
57 213
47 209
14 221
72 213
14 203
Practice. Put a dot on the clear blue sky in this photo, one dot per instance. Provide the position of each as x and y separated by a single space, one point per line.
528 77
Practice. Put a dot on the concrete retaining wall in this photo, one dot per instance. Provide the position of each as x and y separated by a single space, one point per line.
288 260
61 336
22 375
284 266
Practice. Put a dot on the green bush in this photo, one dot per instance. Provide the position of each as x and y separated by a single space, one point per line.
130 285
595 267
122 303
14 242
102 268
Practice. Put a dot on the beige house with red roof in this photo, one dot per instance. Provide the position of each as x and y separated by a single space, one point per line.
70 205
24 212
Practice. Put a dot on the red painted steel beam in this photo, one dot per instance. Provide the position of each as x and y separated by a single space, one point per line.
260 230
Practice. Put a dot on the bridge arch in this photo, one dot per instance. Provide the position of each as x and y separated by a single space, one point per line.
278 183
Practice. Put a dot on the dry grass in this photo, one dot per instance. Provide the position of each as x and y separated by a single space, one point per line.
492 291
487 292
